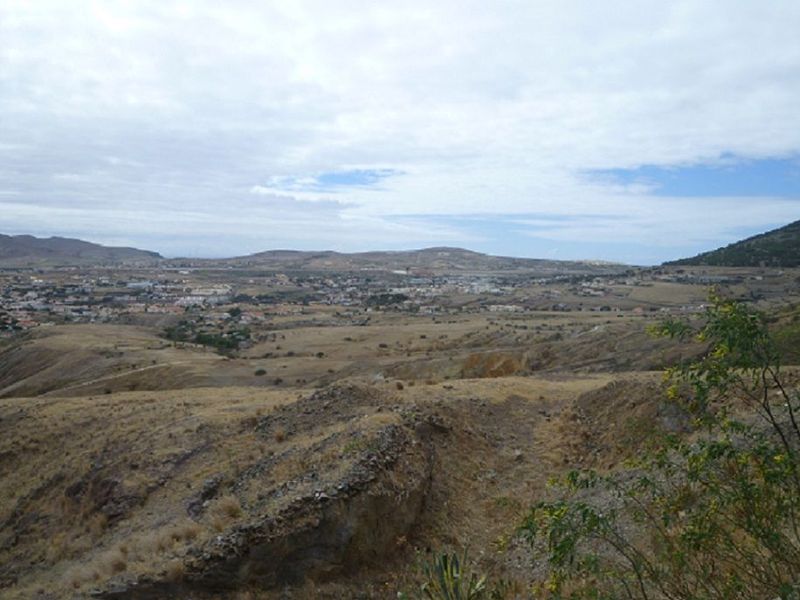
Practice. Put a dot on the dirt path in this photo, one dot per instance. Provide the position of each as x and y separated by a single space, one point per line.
114 376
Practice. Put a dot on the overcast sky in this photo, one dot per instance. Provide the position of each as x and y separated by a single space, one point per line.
635 131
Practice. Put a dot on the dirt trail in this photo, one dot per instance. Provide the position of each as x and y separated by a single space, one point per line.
75 386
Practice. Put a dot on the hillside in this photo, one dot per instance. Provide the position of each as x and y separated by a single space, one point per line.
776 248
329 493
19 250
427 260
93 359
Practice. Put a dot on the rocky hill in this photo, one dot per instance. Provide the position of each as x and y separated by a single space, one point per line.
29 250
776 248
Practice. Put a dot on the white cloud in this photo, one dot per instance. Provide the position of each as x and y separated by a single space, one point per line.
176 108
665 222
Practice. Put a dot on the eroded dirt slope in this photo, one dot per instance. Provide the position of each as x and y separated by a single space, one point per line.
327 493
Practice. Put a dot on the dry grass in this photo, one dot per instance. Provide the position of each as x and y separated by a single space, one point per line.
224 511
218 523
229 506
97 525
117 562
120 446
166 539
176 571
60 548
81 576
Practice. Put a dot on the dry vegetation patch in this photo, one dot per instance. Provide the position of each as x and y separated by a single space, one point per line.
182 491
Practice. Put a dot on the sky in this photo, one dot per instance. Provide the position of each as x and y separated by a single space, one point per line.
635 132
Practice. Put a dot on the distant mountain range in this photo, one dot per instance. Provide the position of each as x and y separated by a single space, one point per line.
26 250
776 248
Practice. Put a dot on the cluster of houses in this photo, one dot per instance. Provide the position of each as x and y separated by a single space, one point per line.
29 298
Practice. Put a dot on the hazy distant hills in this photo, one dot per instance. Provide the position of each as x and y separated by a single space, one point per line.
776 248
427 260
24 250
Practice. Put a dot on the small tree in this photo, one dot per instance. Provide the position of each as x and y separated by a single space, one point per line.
713 518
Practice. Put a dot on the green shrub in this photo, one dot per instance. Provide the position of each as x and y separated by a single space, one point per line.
787 340
448 577
715 518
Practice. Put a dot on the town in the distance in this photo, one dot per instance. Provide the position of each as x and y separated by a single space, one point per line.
80 282
239 307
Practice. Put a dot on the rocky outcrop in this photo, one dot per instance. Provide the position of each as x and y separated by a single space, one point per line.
332 530
313 527
198 503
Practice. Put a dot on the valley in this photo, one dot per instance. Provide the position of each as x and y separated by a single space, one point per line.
237 432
